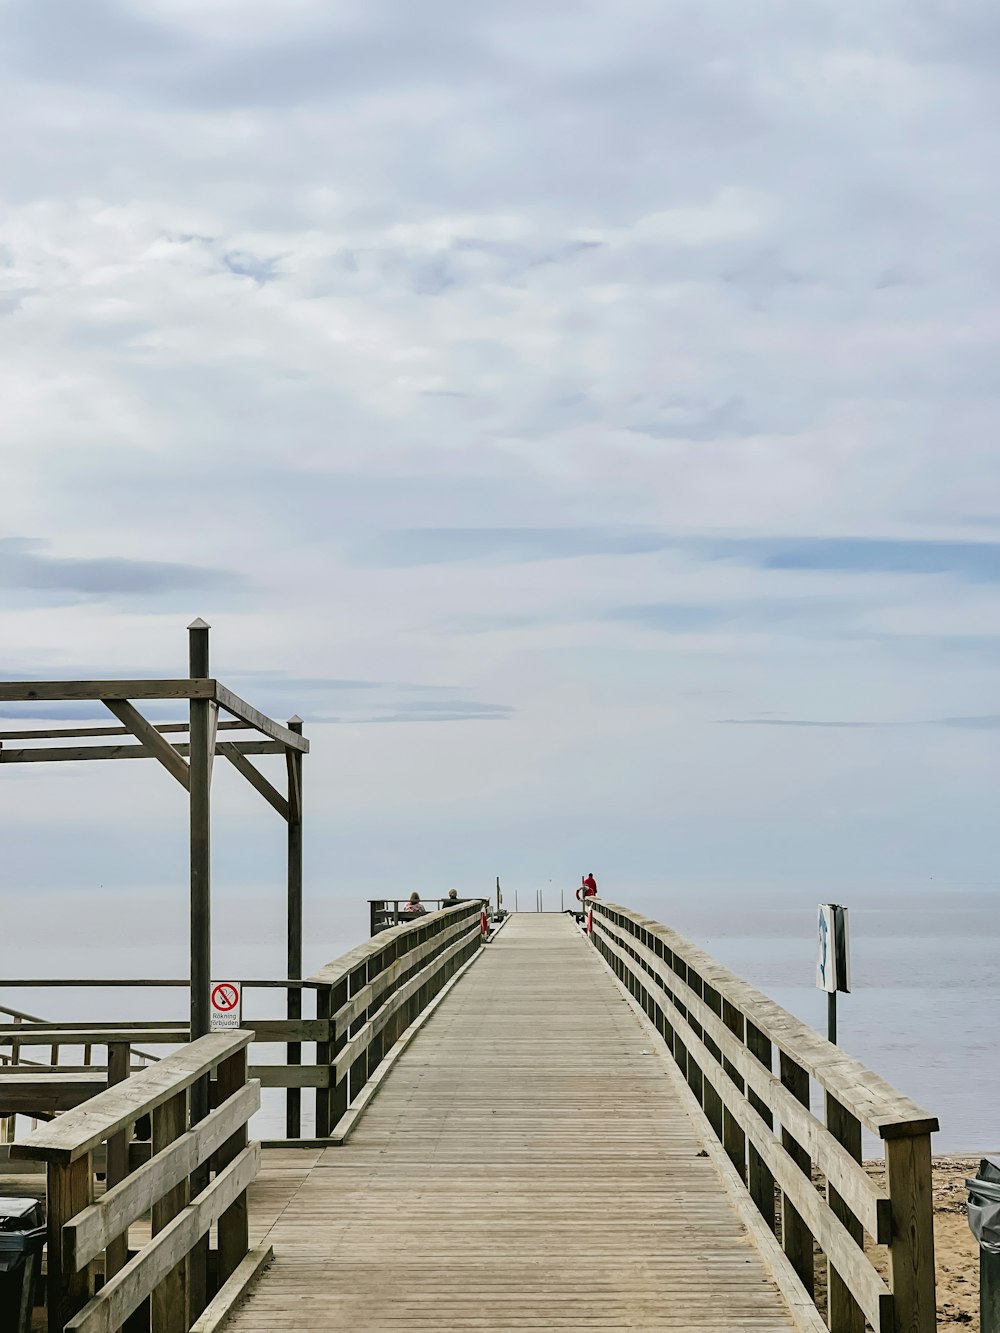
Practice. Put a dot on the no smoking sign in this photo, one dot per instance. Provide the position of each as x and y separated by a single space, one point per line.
226 1004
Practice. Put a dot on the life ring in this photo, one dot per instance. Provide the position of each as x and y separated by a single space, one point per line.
581 894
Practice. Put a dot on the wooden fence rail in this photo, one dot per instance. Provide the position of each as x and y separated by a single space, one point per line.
364 1002
95 1282
372 994
725 1037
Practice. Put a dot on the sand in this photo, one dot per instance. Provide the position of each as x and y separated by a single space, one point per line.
956 1251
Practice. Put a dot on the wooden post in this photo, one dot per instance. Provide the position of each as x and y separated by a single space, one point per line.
759 1177
202 751
201 849
69 1192
732 1135
234 1222
324 1054
796 1238
293 1096
844 1313
169 1301
911 1250
116 1253
717 1115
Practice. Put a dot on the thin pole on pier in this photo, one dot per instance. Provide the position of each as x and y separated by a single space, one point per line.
293 1102
203 716
831 1016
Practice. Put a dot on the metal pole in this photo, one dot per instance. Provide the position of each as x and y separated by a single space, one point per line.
831 1016
515 900
293 1096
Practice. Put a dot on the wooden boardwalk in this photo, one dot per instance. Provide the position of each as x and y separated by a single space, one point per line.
529 1163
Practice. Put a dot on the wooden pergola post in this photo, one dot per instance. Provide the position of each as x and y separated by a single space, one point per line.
293 758
200 762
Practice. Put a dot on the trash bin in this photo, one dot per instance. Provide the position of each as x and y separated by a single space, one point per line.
984 1222
22 1236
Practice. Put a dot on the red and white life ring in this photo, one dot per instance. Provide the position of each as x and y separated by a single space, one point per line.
484 922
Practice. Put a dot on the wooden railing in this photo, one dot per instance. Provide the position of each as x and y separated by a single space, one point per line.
371 995
725 1036
364 1002
95 1282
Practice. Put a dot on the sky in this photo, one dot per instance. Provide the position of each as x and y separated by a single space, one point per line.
582 414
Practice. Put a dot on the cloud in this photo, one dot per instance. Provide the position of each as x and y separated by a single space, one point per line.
26 567
658 343
985 722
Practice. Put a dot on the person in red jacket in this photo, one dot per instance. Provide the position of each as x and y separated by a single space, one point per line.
589 886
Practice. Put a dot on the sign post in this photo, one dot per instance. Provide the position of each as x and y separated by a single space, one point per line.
833 960
226 1006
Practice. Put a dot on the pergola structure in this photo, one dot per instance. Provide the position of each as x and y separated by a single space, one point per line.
189 763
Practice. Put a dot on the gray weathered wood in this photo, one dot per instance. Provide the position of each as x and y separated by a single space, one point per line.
234 1221
125 1292
91 1230
27 1035
66 733
68 1190
147 735
168 1308
115 1171
911 1249
75 754
844 1315
878 1105
24 691
868 1202
79 1131
233 1291
293 959
26 1093
238 707
231 751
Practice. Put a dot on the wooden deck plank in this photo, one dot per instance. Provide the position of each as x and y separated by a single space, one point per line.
527 1164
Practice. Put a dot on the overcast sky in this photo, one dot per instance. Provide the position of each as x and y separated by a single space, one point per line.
582 413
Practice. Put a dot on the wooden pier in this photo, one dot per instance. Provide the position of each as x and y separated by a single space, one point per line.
516 1124
554 1131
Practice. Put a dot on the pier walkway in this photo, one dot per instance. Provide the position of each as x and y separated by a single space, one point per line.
529 1162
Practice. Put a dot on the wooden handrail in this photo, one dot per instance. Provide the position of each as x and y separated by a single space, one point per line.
172 1270
383 943
78 1132
876 1103
722 1033
374 992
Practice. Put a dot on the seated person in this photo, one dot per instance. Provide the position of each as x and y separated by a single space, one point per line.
414 907
452 898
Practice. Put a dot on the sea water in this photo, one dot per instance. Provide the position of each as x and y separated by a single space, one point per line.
923 1011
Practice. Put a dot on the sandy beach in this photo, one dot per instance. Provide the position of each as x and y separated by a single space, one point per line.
956 1251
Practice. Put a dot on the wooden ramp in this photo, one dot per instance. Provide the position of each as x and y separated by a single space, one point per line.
527 1164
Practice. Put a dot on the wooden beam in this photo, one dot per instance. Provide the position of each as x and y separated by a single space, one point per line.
58 733
253 776
232 703
22 1035
66 691
72 754
143 731
113 1109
